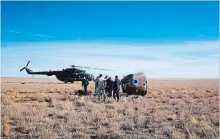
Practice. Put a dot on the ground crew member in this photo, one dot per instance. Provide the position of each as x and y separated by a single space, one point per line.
109 87
104 93
85 84
101 86
116 88
96 85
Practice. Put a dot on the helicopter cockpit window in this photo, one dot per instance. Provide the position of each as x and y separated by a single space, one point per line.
82 71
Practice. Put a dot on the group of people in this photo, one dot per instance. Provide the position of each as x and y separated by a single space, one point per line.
106 88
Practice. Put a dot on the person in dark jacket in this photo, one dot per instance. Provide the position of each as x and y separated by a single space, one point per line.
116 88
96 85
85 84
109 87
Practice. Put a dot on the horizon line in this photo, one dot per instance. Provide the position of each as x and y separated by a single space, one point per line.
147 78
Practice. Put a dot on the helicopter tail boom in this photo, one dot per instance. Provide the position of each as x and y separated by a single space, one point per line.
48 73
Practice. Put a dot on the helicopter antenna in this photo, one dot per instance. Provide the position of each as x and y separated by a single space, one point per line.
91 68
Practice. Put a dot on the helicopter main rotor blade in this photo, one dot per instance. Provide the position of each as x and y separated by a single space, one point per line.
92 68
104 69
83 67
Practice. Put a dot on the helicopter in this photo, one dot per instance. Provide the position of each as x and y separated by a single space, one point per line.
66 75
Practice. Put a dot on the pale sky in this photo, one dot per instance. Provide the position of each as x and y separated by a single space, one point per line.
185 60
162 39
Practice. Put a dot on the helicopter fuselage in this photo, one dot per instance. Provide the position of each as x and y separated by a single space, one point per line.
68 75
65 75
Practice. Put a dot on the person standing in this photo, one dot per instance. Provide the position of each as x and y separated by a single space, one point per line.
96 85
116 88
109 87
104 93
85 84
101 86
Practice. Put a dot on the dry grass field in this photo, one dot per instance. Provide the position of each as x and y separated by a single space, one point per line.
49 109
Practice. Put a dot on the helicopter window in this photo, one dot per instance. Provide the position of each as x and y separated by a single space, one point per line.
80 71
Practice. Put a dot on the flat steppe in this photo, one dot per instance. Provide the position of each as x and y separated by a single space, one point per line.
48 108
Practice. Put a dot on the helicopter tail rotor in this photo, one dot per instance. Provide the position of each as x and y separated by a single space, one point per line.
22 69
27 64
25 67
